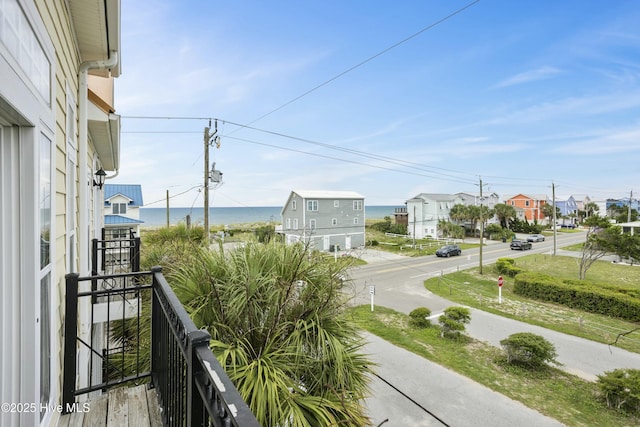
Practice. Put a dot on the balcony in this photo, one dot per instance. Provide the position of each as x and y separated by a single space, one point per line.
131 352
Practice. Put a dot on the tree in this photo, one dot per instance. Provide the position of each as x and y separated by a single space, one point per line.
453 320
600 239
459 213
449 229
504 213
528 349
591 208
547 211
274 313
419 317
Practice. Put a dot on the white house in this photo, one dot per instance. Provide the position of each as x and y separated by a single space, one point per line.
426 209
327 220
58 59
122 203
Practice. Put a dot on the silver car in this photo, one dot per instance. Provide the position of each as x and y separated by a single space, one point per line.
535 238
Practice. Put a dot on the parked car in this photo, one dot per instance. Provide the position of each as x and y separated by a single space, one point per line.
521 245
535 238
449 250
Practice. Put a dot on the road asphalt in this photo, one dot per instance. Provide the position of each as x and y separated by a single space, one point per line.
453 398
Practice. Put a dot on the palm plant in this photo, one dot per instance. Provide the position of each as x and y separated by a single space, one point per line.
275 316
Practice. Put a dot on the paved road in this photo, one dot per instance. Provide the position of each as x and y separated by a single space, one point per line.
399 285
454 399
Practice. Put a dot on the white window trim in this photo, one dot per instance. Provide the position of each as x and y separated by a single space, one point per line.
312 205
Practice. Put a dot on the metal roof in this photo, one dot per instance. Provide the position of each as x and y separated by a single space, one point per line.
328 194
120 220
130 191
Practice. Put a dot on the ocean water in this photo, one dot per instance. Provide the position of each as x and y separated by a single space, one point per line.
157 217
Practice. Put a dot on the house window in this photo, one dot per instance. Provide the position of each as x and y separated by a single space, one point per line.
119 208
288 223
295 223
23 45
44 201
513 203
357 205
336 203
312 224
355 221
294 205
312 205
334 221
526 203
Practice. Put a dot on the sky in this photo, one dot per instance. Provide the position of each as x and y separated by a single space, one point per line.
388 99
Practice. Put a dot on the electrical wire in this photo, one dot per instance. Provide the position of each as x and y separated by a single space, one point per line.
371 58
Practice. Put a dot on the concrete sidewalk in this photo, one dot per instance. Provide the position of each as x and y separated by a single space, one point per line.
435 390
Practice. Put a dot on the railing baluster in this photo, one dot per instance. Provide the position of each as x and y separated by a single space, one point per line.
70 333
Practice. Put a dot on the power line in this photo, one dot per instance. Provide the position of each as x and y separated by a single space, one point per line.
371 58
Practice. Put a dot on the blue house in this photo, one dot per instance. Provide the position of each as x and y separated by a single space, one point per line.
122 204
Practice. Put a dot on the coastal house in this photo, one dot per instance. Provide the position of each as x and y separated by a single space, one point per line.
327 220
59 139
426 209
568 210
531 204
122 203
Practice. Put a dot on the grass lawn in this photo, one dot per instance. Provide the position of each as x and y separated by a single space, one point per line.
480 291
404 246
567 398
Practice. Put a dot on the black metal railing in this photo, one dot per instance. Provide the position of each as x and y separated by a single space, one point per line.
172 353
117 252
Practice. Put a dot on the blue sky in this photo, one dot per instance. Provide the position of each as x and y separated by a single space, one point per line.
518 93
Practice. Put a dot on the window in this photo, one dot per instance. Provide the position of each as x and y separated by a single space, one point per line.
119 208
71 181
295 223
294 205
44 200
355 221
334 221
288 223
312 224
513 203
23 45
336 203
526 203
357 205
312 205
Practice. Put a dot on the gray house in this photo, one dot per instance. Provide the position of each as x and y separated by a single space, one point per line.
327 220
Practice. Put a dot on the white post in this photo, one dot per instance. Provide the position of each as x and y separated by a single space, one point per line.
372 291
500 294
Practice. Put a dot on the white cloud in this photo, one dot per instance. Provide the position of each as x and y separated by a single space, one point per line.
541 73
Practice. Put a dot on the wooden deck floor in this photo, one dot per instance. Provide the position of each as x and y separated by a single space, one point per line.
136 406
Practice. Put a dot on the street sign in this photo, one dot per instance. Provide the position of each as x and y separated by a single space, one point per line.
372 290
500 281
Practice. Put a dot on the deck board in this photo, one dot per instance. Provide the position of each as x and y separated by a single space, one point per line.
135 406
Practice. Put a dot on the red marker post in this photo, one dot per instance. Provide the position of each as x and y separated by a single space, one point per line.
500 282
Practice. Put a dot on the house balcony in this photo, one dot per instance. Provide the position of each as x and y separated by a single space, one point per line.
133 354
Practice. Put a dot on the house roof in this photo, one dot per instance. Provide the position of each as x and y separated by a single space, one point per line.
120 220
436 196
130 191
328 194
530 196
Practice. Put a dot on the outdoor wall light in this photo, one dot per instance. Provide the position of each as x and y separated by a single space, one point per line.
99 179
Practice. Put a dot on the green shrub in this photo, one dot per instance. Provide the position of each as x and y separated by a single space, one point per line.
620 389
528 349
579 294
507 267
418 317
453 320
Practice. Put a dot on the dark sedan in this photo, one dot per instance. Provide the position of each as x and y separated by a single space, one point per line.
520 245
449 250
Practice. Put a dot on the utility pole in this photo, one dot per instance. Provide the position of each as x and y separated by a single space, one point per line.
481 226
629 207
414 226
553 205
167 208
208 139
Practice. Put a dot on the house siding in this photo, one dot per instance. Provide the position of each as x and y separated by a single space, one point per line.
325 234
